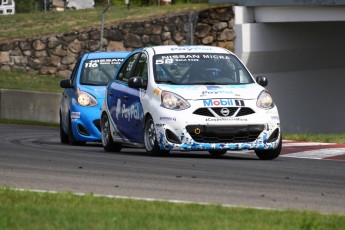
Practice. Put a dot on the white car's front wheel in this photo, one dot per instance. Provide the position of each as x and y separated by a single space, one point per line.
217 152
150 139
107 140
270 154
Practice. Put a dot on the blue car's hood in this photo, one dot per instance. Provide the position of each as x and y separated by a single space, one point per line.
97 91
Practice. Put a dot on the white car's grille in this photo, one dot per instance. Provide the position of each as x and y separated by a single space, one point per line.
222 112
224 134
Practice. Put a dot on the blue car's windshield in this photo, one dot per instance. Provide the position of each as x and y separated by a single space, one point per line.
99 72
200 68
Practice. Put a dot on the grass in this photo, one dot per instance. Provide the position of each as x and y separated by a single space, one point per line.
325 138
31 82
31 24
27 122
32 210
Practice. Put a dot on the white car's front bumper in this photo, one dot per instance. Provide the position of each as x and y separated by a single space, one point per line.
193 129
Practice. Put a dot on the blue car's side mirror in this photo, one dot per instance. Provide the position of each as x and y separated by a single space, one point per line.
65 83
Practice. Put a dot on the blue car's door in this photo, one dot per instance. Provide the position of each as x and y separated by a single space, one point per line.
125 106
67 96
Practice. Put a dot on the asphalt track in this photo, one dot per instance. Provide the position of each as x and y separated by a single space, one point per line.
307 176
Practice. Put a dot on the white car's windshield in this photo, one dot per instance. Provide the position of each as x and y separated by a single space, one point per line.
99 72
200 68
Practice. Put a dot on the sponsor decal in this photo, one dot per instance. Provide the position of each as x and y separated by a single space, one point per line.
130 112
216 56
212 87
225 119
181 56
190 48
239 102
105 61
213 92
218 102
275 118
127 112
99 91
167 119
222 102
75 115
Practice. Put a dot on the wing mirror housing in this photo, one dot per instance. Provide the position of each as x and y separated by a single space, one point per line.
262 81
65 83
136 82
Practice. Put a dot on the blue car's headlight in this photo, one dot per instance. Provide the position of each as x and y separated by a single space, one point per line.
85 99
173 101
265 100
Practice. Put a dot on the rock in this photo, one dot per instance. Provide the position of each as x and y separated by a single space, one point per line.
4 58
115 46
227 34
202 30
132 40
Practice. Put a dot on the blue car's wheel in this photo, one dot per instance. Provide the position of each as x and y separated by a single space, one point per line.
150 139
63 135
107 140
71 138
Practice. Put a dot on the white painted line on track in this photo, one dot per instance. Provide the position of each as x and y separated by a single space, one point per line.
317 154
292 144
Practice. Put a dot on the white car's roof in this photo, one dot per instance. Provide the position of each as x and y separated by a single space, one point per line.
187 49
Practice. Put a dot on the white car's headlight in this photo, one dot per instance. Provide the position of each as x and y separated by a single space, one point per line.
173 101
265 100
86 99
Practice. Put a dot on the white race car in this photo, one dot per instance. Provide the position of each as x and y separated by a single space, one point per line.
189 98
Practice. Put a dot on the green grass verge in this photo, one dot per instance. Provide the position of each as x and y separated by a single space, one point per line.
26 81
32 210
325 138
23 25
26 122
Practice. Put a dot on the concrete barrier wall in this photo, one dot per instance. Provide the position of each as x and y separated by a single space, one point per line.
304 63
28 105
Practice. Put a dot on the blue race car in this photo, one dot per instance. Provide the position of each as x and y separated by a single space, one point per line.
83 96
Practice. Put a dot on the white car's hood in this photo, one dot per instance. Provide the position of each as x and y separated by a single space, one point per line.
192 92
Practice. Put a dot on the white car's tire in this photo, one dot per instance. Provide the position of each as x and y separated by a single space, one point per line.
218 152
107 141
270 154
150 139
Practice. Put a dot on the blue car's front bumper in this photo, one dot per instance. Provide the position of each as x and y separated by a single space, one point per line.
86 123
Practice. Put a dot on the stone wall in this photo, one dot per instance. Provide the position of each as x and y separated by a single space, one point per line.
57 54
